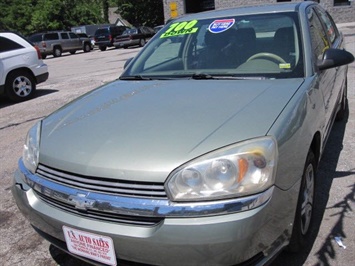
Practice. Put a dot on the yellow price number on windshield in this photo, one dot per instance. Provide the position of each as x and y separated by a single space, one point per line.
180 28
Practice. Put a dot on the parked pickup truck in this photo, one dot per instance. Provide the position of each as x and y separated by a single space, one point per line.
57 42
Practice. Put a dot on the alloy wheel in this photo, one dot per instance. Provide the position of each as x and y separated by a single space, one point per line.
22 86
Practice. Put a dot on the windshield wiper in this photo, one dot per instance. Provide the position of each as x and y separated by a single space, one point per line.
202 76
250 77
225 77
137 77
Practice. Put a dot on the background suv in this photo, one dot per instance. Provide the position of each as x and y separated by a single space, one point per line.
21 67
104 37
57 42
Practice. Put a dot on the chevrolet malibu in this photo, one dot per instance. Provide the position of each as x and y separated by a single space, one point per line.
203 152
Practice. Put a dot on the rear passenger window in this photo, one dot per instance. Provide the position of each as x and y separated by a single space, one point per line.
36 38
64 35
73 35
51 36
8 45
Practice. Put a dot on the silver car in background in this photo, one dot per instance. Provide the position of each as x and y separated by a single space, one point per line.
204 152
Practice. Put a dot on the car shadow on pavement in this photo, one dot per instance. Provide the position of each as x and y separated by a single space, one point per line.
325 175
4 102
43 92
64 259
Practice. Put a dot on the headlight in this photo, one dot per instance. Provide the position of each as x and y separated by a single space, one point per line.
31 148
242 169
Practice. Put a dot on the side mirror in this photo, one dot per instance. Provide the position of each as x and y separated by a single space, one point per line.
127 62
334 58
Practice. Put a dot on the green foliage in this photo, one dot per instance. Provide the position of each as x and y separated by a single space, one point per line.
142 12
28 16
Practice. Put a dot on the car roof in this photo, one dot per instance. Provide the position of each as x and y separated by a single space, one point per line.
247 10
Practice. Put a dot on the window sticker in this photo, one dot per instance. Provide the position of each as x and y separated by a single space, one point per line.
181 28
285 65
221 25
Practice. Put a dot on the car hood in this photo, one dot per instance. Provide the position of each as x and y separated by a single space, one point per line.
142 130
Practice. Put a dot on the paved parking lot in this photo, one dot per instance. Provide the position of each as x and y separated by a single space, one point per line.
73 75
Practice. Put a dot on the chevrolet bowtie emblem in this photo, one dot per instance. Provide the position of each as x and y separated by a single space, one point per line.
81 201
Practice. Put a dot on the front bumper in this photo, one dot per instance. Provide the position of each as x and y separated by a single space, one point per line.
227 238
42 77
104 43
126 43
41 73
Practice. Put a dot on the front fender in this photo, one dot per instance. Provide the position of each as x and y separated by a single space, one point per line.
302 118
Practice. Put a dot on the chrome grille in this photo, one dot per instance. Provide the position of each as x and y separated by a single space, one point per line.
102 215
103 185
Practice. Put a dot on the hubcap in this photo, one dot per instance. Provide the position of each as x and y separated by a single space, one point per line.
308 196
22 86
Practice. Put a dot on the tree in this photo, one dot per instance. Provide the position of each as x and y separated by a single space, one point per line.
105 6
142 12
28 16
16 14
62 15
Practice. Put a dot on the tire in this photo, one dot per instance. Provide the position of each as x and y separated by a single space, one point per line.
102 48
57 51
141 42
43 56
20 86
87 48
344 108
72 52
303 224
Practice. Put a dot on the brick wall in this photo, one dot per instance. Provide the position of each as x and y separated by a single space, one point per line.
340 14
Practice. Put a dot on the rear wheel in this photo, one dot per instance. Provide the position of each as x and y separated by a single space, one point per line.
20 86
43 56
303 223
73 52
57 51
102 48
87 47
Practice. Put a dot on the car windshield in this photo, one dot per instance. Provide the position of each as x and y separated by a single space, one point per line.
254 46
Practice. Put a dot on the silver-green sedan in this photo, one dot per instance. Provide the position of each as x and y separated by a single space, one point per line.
204 152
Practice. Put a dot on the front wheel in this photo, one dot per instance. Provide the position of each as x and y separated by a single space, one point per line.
102 48
20 86
303 223
141 42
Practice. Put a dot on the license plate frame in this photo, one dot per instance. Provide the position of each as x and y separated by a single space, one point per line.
89 245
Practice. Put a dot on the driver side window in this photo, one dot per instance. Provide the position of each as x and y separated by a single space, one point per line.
319 38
